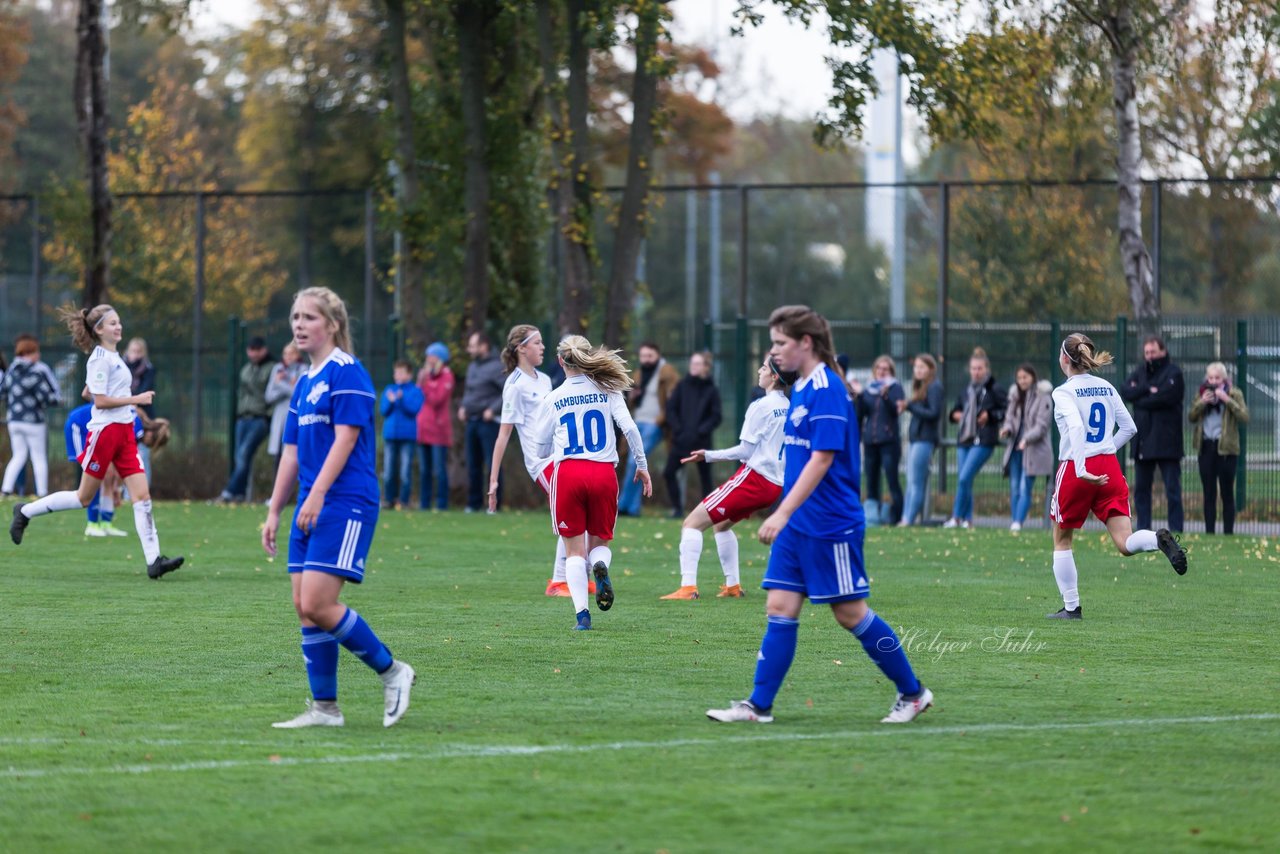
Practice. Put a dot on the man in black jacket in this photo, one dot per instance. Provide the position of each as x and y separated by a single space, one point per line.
693 414
1155 390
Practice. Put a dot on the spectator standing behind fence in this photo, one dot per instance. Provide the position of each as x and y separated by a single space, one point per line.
978 412
1027 451
1218 411
144 379
693 414
284 376
435 429
481 405
401 402
925 406
252 417
29 387
651 387
878 406
1155 390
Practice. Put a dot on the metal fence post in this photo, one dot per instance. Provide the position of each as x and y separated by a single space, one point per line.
36 312
924 333
1122 365
233 376
740 368
709 337
1242 368
197 326
369 249
877 337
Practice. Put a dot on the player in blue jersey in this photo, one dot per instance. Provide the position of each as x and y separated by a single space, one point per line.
328 449
818 528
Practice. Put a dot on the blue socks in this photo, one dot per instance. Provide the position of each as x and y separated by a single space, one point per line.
884 648
354 633
320 652
92 510
777 650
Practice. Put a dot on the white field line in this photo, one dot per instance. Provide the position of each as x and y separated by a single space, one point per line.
465 751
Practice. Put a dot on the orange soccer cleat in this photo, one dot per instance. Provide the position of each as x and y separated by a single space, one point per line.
591 587
557 588
734 592
686 592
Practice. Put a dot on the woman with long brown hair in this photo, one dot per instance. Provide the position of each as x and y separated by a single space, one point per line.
925 405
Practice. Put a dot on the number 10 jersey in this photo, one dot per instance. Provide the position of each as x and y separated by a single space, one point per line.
577 422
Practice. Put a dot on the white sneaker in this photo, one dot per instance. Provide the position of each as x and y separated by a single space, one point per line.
740 710
951 523
112 531
964 524
94 529
313 716
396 685
905 711
1016 526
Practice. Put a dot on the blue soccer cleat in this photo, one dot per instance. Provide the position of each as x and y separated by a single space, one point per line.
584 621
604 587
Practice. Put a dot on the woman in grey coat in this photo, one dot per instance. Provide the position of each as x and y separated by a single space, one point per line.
1028 453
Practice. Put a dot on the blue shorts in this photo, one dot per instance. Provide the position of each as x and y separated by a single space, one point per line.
824 570
339 544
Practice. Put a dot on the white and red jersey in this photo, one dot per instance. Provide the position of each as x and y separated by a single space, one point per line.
577 422
1088 411
522 395
761 438
106 374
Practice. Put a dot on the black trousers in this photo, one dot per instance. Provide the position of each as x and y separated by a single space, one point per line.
1218 474
1144 475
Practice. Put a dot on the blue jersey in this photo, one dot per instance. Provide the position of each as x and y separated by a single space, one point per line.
76 430
821 419
338 391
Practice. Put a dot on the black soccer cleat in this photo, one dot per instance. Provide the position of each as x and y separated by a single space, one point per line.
18 525
163 565
1173 550
1064 614
604 587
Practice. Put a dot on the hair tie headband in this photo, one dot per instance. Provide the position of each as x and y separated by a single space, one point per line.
1065 353
529 338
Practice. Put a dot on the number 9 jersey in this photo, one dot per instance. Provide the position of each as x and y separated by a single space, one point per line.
1088 411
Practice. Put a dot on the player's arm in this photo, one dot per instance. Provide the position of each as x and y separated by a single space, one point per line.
543 431
739 453
1126 429
627 425
495 465
810 476
1072 428
286 476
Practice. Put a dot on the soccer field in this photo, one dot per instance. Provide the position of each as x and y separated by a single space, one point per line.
135 715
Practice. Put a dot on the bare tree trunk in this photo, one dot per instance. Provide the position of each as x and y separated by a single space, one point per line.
409 188
472 17
1133 249
91 115
572 236
633 213
579 108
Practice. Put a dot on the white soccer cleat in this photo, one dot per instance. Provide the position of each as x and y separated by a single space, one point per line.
740 710
313 716
905 711
110 530
396 685
94 529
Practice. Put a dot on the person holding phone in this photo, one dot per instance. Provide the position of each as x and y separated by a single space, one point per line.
1218 411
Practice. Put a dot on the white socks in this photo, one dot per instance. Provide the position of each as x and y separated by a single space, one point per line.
146 525
1064 571
690 551
557 574
575 573
727 547
106 503
600 554
1141 541
52 503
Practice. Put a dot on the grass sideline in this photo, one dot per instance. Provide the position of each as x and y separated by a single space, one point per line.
136 714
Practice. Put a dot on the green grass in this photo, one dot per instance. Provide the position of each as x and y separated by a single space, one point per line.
135 715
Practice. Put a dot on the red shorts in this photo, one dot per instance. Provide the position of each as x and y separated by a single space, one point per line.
544 478
1073 498
112 444
584 498
740 496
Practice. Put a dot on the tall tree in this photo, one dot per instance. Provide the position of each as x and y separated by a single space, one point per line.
93 122
633 212
14 35
473 19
